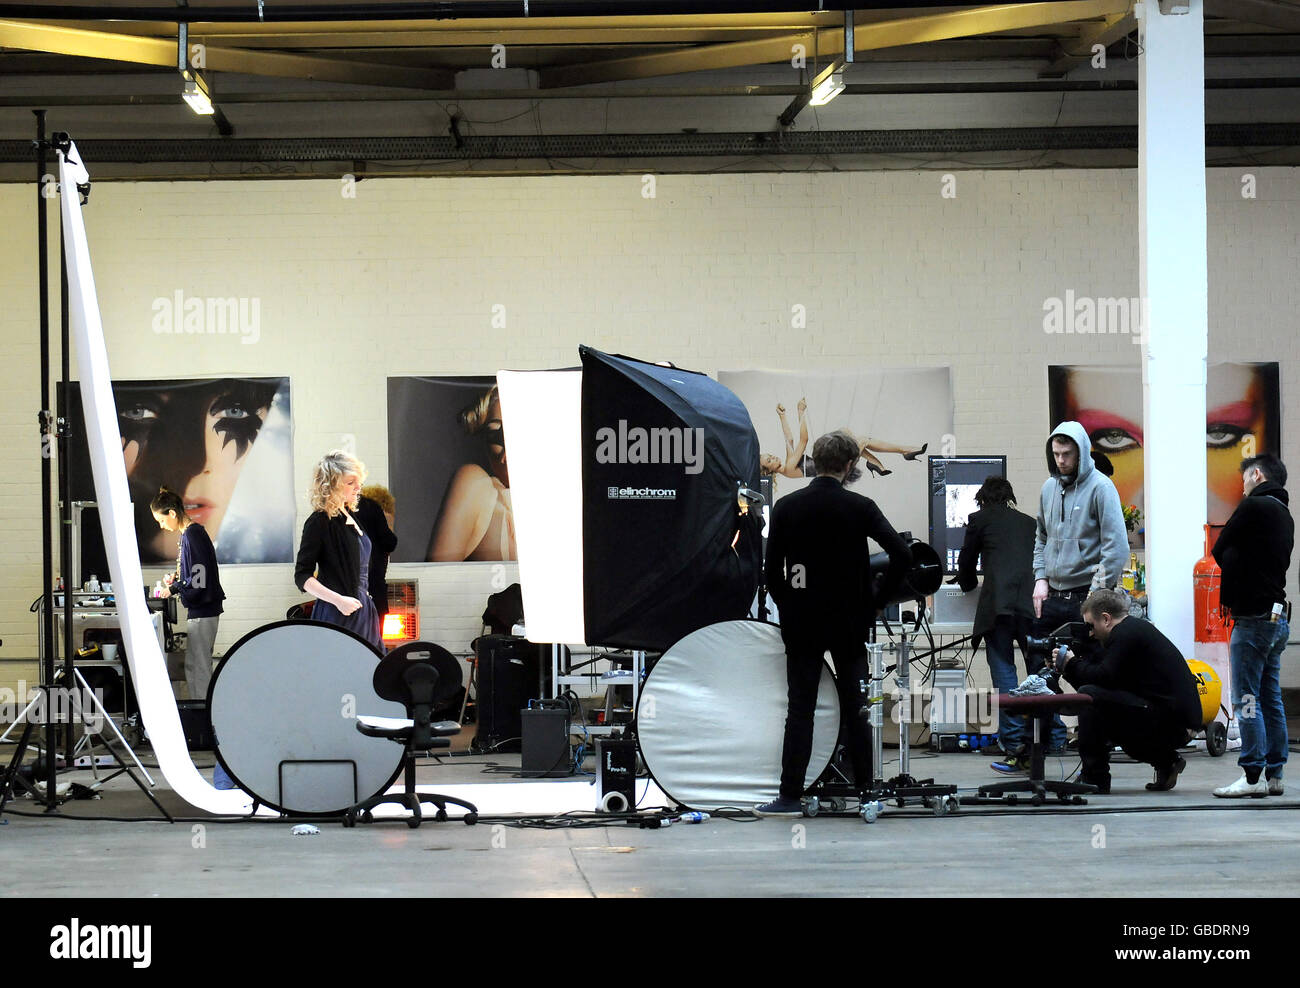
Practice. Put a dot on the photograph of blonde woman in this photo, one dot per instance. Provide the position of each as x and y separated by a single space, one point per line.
451 474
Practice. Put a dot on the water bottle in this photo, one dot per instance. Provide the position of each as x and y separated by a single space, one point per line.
694 816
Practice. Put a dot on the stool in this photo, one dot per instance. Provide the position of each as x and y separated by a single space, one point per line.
1040 708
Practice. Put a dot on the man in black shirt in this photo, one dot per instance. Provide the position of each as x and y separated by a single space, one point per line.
1144 698
1254 552
818 573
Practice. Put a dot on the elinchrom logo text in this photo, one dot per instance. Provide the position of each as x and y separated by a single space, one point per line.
638 445
196 316
1085 315
641 493
75 942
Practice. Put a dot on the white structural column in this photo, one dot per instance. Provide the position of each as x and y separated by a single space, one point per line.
1174 285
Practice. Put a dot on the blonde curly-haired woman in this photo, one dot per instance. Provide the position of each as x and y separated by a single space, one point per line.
334 555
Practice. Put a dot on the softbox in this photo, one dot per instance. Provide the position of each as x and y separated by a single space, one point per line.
647 543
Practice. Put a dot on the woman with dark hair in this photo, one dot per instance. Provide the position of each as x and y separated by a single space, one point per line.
197 581
1001 540
334 555
193 437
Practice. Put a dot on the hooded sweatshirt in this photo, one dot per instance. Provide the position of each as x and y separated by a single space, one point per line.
1254 551
1081 540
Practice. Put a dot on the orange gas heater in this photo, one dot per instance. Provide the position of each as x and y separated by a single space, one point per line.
401 623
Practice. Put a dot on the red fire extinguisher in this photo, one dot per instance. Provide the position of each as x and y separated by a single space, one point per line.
1212 625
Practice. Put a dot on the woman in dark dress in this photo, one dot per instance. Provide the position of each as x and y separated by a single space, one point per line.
334 555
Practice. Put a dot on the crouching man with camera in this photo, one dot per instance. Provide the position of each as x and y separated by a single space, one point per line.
1144 697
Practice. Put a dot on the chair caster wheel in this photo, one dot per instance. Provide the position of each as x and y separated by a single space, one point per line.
870 811
1077 800
1038 799
812 807
413 822
367 816
471 818
441 816
349 820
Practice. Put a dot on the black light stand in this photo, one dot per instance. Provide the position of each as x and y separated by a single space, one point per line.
69 675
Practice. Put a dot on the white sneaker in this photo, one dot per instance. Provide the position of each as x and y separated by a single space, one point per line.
1275 787
1242 788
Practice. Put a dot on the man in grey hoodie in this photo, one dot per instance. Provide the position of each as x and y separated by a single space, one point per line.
1081 543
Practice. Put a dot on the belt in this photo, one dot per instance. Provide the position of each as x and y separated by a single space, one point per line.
1074 593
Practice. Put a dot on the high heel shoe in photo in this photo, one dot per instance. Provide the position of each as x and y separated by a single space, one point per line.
913 455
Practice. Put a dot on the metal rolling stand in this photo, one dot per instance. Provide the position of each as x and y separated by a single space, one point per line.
902 788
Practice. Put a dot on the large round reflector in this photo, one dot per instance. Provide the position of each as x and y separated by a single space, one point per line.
711 718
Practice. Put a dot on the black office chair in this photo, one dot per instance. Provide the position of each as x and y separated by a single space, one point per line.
420 676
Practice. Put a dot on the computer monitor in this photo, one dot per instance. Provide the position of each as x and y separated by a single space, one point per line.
954 481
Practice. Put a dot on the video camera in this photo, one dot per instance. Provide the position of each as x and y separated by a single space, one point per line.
1073 635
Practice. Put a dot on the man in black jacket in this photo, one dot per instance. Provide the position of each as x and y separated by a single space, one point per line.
818 573
1001 540
1254 552
1144 698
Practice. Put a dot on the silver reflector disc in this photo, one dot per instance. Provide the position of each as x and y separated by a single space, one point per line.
711 718
284 703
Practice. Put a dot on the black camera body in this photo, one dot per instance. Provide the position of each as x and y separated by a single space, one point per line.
1072 635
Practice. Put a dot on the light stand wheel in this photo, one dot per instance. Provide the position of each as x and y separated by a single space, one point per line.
812 806
870 810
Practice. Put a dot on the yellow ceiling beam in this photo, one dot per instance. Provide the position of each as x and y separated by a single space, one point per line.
1072 54
139 50
867 37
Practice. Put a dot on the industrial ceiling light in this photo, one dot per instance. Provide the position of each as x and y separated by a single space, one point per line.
828 84
196 94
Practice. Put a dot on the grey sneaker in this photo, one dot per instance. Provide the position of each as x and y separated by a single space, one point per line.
1275 787
781 806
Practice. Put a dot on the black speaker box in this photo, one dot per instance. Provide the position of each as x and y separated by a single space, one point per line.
507 680
546 743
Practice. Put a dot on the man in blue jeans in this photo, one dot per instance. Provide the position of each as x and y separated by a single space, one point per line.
1080 544
1254 552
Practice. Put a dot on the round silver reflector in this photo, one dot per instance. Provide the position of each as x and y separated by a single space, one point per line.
284 703
711 718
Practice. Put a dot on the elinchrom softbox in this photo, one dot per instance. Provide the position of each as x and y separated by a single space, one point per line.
665 453
625 479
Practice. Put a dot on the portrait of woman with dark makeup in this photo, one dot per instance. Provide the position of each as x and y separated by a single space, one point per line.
223 444
1242 416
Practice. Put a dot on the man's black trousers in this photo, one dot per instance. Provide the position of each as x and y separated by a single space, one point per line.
803 663
1115 717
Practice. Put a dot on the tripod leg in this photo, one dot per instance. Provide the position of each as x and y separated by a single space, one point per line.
11 773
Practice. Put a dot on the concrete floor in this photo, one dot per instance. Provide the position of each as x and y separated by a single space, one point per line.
1126 842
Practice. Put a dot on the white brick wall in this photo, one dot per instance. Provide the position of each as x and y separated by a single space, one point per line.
402 280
